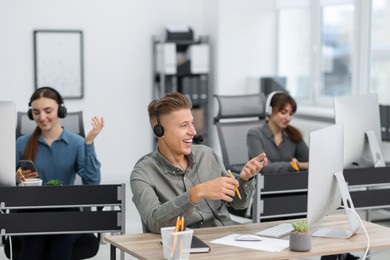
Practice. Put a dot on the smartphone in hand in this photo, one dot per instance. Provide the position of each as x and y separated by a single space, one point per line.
27 165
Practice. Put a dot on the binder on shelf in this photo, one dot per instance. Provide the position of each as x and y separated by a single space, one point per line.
186 87
195 91
198 54
166 58
199 119
203 89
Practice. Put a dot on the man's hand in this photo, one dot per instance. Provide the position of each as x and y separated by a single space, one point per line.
222 188
253 167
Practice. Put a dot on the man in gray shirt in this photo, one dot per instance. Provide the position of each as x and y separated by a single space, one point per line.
179 179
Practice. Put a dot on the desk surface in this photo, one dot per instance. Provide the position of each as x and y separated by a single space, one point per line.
148 246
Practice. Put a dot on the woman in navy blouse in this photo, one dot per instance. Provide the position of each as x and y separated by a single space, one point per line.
57 154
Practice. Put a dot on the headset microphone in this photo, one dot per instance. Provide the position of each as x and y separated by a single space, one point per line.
197 139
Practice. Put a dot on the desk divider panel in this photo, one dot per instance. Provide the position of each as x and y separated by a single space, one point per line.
285 194
60 195
57 209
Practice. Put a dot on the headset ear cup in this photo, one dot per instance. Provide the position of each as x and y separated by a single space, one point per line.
268 107
62 111
29 114
158 130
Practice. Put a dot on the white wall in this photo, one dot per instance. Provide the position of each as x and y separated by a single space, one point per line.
117 58
246 45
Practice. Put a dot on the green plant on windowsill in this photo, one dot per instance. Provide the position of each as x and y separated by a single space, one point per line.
301 227
54 183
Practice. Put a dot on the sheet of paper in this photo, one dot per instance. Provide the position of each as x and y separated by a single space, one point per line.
266 244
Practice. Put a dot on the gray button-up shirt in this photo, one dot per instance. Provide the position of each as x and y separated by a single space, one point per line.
161 191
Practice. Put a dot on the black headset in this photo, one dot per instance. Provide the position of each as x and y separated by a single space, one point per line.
62 111
158 131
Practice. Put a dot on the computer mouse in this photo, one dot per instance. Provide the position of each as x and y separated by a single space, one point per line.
248 237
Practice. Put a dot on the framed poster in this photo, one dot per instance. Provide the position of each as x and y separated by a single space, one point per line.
58 61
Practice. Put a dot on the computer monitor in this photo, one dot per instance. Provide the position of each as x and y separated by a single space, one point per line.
326 185
271 84
7 143
362 130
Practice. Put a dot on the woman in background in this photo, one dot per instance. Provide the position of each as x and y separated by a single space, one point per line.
284 145
57 154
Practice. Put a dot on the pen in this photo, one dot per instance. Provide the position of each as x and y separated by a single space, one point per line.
237 191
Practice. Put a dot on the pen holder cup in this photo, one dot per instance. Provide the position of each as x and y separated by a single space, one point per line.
176 245
32 182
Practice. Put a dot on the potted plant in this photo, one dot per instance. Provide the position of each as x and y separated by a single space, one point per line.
54 182
300 237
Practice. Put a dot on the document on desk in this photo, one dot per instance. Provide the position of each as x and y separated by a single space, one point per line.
266 244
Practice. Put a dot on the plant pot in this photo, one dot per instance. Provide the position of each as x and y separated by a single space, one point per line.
300 242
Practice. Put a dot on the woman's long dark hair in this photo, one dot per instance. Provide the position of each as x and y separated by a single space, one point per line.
30 153
278 102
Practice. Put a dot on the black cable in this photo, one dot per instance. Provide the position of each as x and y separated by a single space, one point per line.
215 214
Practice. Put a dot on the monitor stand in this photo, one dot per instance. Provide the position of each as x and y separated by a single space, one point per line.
375 151
353 218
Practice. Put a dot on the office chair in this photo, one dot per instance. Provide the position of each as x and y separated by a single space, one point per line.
73 122
236 115
86 247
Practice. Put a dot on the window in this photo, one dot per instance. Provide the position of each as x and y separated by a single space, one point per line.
380 50
316 48
337 43
294 50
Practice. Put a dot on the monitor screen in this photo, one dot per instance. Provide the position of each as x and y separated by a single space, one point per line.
325 159
7 142
362 131
326 183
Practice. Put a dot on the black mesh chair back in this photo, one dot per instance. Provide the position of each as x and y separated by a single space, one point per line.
248 107
236 115
73 122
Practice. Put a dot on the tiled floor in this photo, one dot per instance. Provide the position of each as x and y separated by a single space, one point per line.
133 225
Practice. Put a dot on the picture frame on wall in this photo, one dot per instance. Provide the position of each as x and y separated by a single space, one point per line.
58 61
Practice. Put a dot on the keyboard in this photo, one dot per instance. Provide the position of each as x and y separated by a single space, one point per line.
277 231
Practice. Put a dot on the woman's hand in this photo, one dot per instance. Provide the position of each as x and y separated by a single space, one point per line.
21 175
97 126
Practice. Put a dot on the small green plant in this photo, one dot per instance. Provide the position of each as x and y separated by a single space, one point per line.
301 226
54 183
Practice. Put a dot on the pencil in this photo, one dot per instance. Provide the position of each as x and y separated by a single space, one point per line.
182 224
294 164
237 191
21 176
177 229
181 241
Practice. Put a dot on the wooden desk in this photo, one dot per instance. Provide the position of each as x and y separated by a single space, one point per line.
148 246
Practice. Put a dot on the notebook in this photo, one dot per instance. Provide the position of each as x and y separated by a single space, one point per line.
198 246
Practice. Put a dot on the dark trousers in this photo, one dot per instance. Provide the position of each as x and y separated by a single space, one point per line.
51 247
